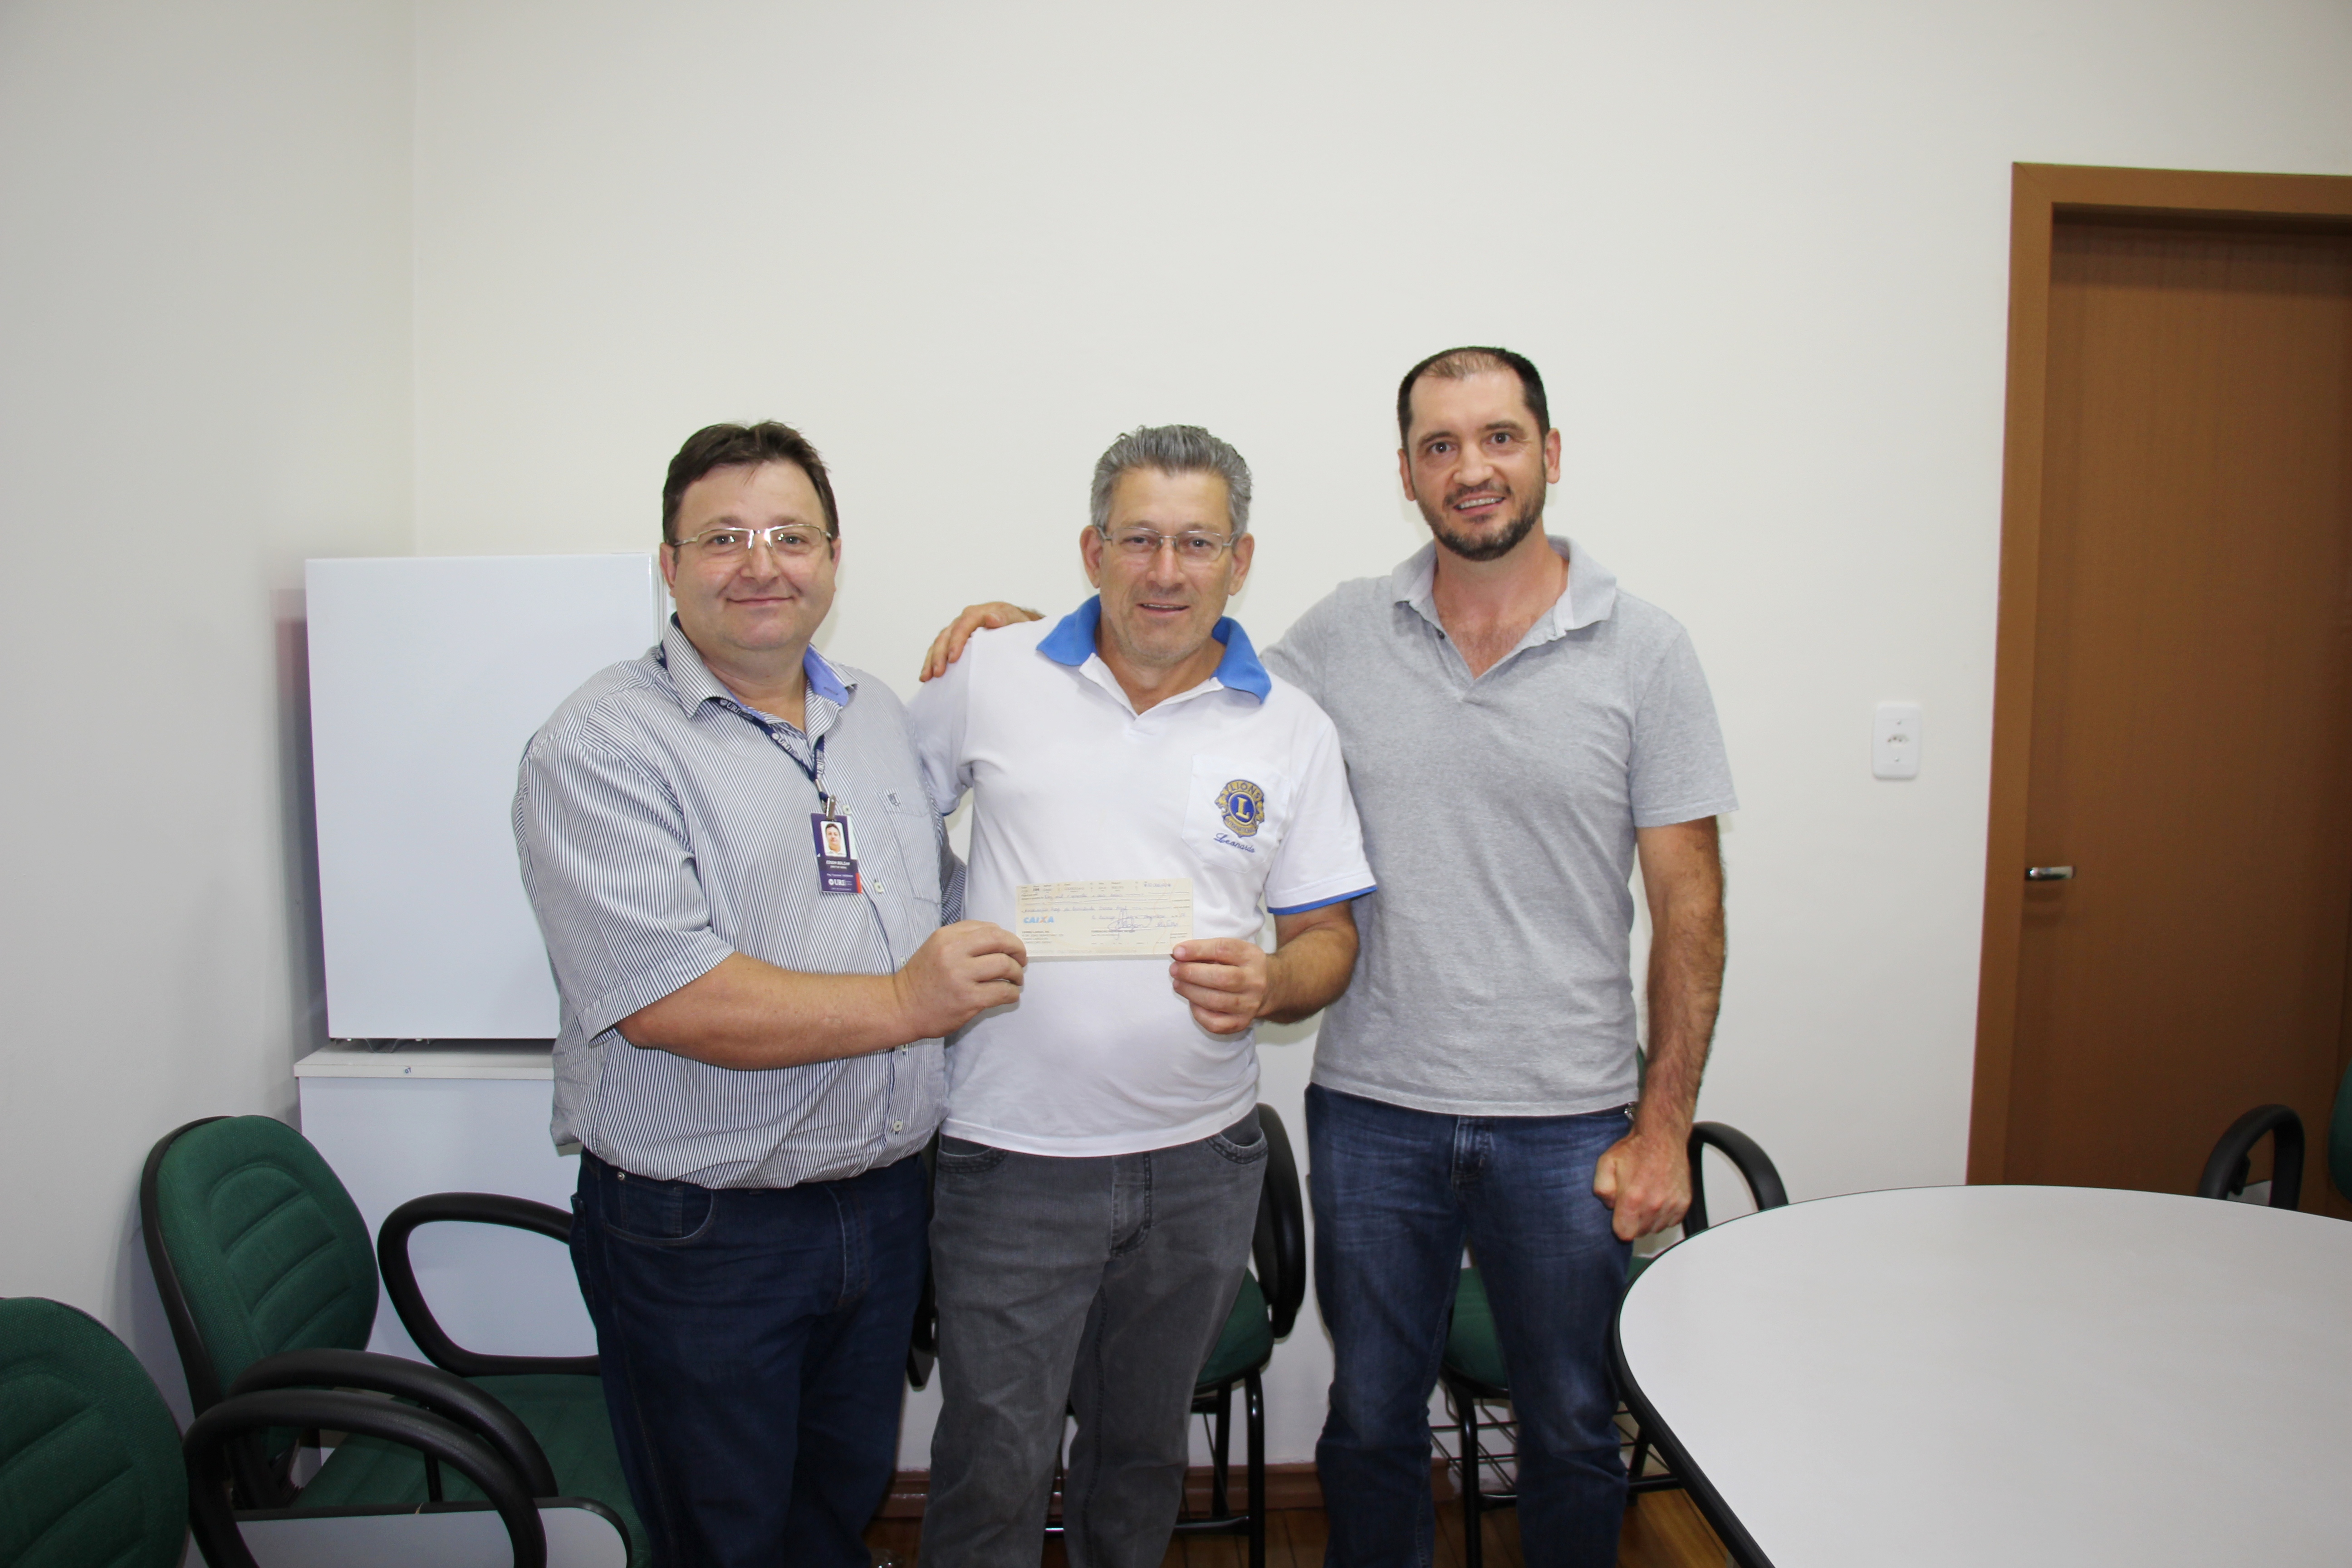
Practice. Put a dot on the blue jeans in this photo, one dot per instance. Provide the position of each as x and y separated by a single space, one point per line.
1396 1193
752 1339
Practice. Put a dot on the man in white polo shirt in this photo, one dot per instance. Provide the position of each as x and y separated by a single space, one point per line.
1146 794
1496 1100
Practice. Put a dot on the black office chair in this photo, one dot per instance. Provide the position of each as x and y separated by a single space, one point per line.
1473 1369
2232 1162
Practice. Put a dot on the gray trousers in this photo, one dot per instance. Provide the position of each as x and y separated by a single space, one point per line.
1095 1285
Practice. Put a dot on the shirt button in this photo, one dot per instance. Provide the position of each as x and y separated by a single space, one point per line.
877 886
897 1126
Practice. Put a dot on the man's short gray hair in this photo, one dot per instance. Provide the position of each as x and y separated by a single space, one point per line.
1174 449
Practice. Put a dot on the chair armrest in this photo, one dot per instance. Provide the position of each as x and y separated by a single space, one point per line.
2232 1157
1747 1157
1279 1247
399 1277
214 1435
450 1398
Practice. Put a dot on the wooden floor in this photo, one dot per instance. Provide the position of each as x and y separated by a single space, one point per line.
1662 1530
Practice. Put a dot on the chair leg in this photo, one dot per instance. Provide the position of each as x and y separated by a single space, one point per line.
1061 1473
1474 1544
1641 1458
1220 1456
1254 1393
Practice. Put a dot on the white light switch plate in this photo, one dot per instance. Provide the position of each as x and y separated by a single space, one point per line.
1895 741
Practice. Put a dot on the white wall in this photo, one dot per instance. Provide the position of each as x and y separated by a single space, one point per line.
1759 250
204 378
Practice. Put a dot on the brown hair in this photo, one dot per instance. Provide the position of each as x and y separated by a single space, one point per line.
743 445
1460 364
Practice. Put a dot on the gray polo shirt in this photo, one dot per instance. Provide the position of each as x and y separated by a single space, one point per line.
1498 816
663 825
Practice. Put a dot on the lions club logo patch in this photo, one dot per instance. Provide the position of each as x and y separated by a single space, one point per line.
1243 805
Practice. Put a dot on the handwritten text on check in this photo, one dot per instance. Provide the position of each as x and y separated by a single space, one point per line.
1103 919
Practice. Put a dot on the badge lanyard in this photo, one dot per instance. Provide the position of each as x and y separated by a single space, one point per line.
815 775
829 831
836 851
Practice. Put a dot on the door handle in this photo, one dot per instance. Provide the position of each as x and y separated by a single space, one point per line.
2049 873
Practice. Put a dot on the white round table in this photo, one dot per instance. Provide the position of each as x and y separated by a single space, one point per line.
2006 1375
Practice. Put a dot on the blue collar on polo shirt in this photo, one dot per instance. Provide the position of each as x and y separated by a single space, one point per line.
1072 642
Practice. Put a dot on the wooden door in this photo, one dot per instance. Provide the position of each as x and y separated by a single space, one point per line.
2180 733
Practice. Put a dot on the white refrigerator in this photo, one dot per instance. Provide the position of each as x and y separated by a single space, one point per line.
428 676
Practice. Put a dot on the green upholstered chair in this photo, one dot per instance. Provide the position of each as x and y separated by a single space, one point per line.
1474 1370
269 1282
1264 1313
2233 1158
94 1474
89 1457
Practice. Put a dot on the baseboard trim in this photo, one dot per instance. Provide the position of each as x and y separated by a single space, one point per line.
1287 1486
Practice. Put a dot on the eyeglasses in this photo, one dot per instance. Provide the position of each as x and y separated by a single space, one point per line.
790 540
1144 544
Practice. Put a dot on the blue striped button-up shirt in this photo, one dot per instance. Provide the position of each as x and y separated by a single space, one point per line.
663 825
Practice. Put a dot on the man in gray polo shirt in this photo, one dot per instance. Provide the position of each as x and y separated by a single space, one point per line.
1519 733
742 883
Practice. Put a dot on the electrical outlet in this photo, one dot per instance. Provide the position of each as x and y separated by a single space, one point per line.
1895 741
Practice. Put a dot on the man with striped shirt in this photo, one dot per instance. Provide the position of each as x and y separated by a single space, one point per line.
742 886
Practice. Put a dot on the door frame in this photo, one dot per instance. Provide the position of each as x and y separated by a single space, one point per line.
2040 195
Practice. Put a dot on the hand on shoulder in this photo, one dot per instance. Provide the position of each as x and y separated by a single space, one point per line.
948 646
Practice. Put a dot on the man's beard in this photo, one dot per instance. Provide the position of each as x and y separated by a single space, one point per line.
1492 547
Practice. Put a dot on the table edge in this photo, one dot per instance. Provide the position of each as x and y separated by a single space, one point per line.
1719 1517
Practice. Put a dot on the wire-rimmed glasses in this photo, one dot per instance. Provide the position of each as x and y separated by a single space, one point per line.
1193 548
789 540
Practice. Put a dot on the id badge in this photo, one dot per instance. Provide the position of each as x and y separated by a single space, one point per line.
836 854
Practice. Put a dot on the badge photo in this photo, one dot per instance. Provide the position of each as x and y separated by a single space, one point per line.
836 854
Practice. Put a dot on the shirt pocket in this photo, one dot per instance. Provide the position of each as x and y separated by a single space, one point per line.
1236 812
918 833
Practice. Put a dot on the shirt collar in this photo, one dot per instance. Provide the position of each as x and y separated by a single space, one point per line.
1072 642
1591 595
695 685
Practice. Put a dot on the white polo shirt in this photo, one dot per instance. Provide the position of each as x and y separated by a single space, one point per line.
1100 1056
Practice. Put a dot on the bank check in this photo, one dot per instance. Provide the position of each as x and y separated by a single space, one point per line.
1138 918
